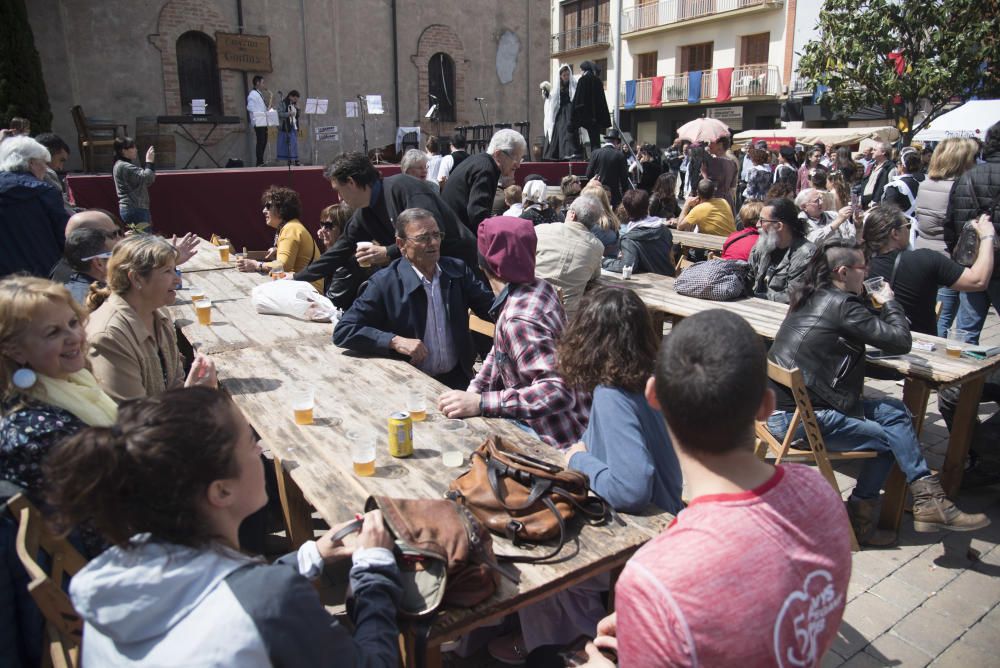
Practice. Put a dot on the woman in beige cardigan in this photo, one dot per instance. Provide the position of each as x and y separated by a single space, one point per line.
133 345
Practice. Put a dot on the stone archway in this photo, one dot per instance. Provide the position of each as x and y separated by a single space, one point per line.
439 38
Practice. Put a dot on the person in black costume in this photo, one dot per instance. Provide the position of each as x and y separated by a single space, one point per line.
562 138
590 107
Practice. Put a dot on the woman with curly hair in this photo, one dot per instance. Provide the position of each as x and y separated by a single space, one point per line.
294 248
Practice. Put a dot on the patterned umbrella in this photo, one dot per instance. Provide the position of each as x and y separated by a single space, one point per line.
703 130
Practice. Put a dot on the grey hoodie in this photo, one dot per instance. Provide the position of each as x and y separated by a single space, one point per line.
646 246
160 604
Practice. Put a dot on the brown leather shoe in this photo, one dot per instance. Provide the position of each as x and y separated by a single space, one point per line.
864 514
932 511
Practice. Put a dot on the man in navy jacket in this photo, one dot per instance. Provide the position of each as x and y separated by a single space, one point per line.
418 307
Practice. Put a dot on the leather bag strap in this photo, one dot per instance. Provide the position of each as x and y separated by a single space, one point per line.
554 551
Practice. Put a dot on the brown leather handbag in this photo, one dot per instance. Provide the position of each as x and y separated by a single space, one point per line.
524 498
445 556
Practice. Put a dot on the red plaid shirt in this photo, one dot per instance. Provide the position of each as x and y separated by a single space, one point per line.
519 378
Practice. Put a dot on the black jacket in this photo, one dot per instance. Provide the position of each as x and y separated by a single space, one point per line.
881 179
972 191
609 164
590 105
646 247
470 189
32 224
375 223
395 304
826 337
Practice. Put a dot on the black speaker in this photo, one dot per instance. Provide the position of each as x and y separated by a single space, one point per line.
233 162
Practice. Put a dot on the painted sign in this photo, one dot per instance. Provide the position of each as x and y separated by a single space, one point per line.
250 53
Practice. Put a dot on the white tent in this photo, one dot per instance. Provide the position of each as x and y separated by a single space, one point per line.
972 119
829 136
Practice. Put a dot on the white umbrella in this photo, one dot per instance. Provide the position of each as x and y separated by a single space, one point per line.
703 130
972 119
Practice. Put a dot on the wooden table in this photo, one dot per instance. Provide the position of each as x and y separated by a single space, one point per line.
235 322
922 371
206 259
356 393
698 240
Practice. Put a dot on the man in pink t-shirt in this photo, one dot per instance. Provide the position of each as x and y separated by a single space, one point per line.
755 570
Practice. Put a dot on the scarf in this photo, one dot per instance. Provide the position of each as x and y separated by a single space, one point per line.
80 395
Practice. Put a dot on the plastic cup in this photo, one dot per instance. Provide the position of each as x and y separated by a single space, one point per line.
452 458
627 272
303 402
277 271
362 453
197 295
361 246
957 342
203 307
224 253
416 402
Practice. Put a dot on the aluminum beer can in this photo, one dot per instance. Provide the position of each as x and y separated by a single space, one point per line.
400 434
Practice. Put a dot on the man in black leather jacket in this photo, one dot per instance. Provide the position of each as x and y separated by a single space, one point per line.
824 335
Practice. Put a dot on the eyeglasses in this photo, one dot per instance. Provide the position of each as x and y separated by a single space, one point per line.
427 238
268 204
99 256
862 267
516 161
117 234
769 221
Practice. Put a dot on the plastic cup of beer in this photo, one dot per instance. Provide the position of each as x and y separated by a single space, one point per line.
362 453
203 307
224 253
277 271
416 402
957 340
627 272
361 246
197 295
303 402
872 287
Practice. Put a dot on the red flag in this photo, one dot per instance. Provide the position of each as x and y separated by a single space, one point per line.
899 62
725 80
656 97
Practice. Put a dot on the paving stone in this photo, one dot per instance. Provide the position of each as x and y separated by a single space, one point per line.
928 631
858 585
891 650
984 637
962 655
866 618
831 660
967 598
925 575
899 593
878 564
862 660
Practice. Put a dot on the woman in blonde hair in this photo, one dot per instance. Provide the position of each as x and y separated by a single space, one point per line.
951 158
46 395
608 225
133 346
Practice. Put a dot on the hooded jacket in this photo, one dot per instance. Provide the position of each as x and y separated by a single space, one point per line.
32 224
160 604
973 190
645 246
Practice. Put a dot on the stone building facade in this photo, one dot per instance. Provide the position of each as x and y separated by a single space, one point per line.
118 59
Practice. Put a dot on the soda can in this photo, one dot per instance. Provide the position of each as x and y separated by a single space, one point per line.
400 434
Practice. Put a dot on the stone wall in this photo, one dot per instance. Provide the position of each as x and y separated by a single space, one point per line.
118 60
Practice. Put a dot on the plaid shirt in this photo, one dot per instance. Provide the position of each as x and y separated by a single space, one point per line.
519 378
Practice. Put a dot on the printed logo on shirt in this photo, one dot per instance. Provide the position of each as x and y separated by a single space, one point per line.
802 620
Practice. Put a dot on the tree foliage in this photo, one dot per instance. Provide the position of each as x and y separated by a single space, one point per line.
950 49
22 88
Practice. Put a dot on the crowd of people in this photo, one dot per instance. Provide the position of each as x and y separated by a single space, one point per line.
133 452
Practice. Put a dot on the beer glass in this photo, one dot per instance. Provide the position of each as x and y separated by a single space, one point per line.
203 307
416 402
224 253
197 295
362 453
303 402
277 271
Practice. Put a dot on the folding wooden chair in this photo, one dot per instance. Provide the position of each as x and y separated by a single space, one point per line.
91 133
812 448
63 626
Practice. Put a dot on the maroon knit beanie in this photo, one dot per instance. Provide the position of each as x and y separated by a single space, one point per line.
507 248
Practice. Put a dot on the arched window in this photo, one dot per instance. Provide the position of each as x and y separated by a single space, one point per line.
198 72
441 78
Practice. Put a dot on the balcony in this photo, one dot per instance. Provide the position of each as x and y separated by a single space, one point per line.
593 36
748 81
671 13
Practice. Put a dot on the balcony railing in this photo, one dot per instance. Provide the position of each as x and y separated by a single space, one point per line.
747 81
667 12
586 37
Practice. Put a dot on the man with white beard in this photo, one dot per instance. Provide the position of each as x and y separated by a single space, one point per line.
780 256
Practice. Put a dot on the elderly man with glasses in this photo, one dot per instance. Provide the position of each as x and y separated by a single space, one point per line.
87 253
472 186
780 256
418 307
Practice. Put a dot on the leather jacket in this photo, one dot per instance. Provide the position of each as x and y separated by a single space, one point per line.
826 337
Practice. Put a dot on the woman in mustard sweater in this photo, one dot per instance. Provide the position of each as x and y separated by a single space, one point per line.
294 247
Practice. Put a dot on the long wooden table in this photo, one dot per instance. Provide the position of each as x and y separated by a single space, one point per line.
207 259
698 240
259 357
922 371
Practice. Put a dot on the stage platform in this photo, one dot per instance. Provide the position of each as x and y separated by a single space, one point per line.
227 201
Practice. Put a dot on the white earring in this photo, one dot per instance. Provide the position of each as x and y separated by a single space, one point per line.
24 378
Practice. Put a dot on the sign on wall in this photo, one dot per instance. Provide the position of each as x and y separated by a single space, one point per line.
731 116
250 53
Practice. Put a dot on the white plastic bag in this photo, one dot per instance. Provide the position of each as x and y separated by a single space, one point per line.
298 299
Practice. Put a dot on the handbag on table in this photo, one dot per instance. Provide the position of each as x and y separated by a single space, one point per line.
526 499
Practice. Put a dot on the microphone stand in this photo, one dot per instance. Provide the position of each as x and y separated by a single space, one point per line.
364 130
480 101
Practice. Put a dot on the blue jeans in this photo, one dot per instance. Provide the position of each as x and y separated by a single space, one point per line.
949 307
135 216
887 430
975 305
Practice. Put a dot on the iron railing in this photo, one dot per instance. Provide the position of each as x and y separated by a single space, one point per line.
667 12
593 35
747 81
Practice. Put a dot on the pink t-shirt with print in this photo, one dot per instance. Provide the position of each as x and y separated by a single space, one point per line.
757 578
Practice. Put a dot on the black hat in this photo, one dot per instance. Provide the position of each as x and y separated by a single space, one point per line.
612 133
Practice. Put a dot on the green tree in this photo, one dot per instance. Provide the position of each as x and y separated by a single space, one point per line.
950 50
22 88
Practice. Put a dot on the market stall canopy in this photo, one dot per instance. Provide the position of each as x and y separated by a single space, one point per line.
972 119
827 136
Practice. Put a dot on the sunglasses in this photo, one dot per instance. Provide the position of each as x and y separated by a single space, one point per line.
327 225
99 256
